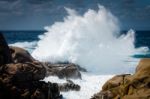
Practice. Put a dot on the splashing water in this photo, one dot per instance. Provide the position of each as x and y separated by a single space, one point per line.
90 84
26 45
91 41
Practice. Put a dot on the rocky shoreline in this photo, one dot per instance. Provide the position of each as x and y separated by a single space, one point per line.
127 86
21 75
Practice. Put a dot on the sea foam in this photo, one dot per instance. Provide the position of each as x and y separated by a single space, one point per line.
29 46
90 84
91 40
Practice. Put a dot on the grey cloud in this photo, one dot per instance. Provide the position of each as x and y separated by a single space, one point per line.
129 1
8 7
7 0
147 7
39 1
43 10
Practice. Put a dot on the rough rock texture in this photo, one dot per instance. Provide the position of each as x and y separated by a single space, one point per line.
20 76
29 90
20 55
63 70
136 86
5 56
69 86
24 71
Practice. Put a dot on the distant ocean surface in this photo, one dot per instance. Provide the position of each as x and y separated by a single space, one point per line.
24 39
142 38
21 36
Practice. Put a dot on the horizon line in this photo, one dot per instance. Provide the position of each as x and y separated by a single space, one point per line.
46 30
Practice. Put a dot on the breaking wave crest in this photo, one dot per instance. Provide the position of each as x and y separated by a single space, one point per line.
91 40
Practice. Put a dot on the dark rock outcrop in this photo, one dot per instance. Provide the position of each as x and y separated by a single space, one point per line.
69 86
5 55
63 70
29 90
136 86
20 76
24 71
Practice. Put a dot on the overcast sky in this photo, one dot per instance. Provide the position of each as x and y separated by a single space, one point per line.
35 14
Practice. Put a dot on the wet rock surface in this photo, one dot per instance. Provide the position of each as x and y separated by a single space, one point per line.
126 86
63 70
69 86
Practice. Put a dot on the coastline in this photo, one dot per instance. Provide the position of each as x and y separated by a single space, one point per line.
127 86
13 78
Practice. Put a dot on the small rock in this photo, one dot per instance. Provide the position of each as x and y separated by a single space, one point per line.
20 55
63 70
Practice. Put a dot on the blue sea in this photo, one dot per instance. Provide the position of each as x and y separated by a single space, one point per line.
142 38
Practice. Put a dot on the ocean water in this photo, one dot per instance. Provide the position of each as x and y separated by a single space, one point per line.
93 41
142 38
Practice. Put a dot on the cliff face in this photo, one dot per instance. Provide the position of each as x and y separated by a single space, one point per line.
126 86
